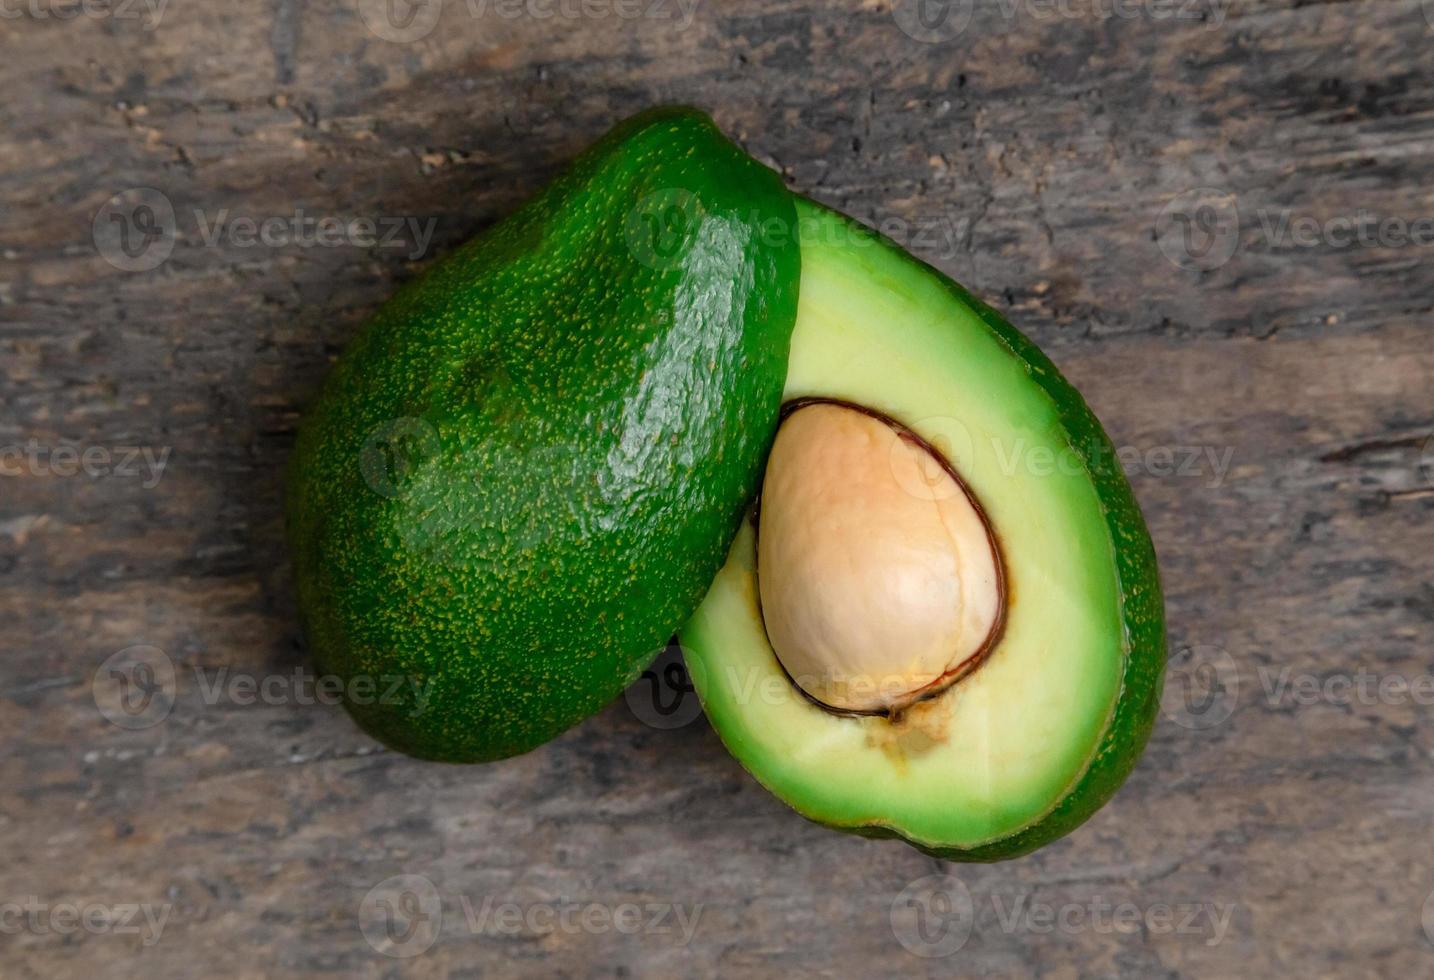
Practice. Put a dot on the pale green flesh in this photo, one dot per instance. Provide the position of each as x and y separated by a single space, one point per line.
1001 748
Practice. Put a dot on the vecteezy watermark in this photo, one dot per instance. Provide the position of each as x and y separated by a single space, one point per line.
1208 920
135 688
490 917
1201 229
938 21
137 230
138 687
36 917
393 452
1205 462
1202 687
1282 228
308 231
935 916
403 916
664 221
65 460
299 686
394 459
147 12
939 235
664 697
406 21
924 477
399 457
1285 687
660 225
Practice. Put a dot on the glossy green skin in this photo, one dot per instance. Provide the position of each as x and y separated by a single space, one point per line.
522 476
1142 607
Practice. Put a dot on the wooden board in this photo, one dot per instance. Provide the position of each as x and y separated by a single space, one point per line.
1271 375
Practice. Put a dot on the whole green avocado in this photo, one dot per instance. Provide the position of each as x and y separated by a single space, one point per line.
524 473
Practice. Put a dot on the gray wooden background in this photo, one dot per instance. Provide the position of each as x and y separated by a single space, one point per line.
1214 214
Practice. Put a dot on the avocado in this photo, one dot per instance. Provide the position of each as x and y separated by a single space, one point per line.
524 473
943 621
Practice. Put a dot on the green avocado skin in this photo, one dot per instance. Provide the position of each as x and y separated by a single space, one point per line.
525 472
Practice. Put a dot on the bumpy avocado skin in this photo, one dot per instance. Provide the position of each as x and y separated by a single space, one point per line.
524 473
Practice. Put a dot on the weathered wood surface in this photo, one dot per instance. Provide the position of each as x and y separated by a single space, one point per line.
1031 155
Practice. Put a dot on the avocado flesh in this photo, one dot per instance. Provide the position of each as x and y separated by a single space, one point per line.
1035 739
524 473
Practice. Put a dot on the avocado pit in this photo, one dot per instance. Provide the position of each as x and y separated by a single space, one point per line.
880 579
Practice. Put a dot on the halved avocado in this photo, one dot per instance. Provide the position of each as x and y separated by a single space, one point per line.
1050 688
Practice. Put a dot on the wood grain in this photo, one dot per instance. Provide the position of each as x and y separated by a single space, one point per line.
1032 156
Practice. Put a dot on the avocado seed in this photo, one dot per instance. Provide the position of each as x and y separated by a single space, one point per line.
880 580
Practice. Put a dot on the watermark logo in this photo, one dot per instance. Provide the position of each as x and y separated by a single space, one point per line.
1211 463
36 917
138 687
661 224
392 462
401 916
664 697
135 688
940 235
682 11
491 917
1343 690
406 21
135 230
1199 229
932 21
918 472
1282 228
300 230
299 686
148 12
925 478
400 21
938 21
394 451
1210 920
402 455
933 916
1202 687
96 462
